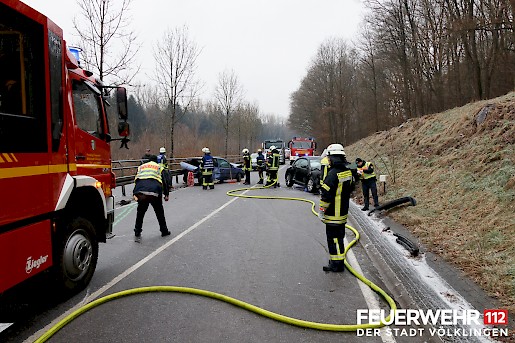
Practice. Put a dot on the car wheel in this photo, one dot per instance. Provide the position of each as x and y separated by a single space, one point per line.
311 185
238 177
289 180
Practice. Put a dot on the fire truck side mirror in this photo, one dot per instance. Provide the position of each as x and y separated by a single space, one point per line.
123 129
121 100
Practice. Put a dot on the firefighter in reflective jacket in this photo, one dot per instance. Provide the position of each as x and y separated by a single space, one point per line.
324 163
260 161
334 206
247 165
273 167
368 182
163 162
207 167
149 187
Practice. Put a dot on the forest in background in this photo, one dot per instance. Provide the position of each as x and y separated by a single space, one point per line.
413 57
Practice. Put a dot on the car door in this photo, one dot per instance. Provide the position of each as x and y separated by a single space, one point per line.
224 168
302 170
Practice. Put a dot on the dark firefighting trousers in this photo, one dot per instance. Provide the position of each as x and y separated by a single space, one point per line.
157 203
335 234
366 185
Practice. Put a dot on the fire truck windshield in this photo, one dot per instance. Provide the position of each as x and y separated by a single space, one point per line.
301 145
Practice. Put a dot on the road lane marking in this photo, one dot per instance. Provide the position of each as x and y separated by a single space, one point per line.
4 326
127 272
367 292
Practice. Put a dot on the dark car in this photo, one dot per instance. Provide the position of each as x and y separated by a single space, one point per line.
223 170
305 171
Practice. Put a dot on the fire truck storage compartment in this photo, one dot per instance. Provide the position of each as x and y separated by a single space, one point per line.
30 254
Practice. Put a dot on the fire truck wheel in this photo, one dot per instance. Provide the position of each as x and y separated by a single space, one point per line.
77 255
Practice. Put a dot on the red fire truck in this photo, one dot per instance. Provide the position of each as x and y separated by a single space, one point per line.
56 180
301 146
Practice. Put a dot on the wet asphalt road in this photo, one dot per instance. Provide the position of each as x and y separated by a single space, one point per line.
268 253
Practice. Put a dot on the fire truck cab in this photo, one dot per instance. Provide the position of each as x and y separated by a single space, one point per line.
301 146
55 154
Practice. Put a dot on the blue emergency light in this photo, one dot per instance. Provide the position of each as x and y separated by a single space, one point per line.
76 53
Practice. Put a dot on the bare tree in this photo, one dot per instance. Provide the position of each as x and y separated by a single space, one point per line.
109 46
228 94
176 57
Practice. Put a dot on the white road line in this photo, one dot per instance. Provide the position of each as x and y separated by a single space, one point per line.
126 273
367 292
4 326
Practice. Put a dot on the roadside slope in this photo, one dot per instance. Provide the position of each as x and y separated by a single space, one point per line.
462 174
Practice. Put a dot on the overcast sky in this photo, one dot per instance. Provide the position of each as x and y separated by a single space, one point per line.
268 43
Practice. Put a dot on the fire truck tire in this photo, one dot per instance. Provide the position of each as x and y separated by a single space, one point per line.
77 255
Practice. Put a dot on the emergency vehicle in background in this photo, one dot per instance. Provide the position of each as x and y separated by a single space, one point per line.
279 145
301 146
55 156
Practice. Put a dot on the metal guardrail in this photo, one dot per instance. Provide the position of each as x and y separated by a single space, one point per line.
125 170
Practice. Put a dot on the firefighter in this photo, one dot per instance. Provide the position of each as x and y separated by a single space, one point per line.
161 158
324 163
145 158
148 190
368 182
247 165
334 206
163 162
207 166
273 167
260 161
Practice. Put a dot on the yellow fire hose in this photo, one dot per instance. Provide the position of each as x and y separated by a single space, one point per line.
239 303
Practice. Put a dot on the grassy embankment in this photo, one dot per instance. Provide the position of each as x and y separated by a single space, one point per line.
462 175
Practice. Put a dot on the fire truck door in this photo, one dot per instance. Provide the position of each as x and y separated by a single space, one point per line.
92 151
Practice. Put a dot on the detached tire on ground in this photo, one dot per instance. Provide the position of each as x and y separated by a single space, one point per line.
76 255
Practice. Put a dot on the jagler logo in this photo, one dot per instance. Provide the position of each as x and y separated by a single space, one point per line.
34 264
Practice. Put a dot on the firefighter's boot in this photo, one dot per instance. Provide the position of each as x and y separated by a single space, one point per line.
334 266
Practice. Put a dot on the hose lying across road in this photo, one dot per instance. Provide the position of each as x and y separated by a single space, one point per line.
239 303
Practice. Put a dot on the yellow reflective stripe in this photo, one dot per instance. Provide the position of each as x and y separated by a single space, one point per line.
326 187
7 158
1 159
14 158
337 257
6 173
94 166
58 168
337 200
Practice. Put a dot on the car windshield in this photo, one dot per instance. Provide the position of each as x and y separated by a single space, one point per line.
315 164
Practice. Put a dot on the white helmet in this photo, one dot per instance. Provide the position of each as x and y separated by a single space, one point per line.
259 150
335 149
272 147
206 150
162 150
245 151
